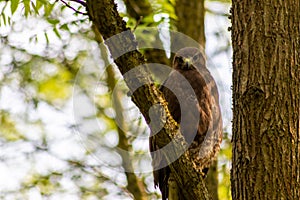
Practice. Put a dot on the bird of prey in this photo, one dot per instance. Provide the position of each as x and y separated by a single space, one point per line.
193 102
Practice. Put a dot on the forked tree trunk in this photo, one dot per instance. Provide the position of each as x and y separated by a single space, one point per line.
266 98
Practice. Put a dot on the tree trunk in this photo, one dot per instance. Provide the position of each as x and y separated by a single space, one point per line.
190 19
266 98
104 15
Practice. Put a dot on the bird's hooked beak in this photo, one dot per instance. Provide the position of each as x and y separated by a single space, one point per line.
187 63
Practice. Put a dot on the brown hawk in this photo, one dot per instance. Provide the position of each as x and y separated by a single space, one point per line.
193 101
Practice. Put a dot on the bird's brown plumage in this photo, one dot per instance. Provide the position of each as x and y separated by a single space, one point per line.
193 101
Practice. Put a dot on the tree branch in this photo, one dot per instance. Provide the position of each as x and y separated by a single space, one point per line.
104 15
78 1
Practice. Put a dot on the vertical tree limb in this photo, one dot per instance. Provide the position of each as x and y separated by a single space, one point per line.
266 99
190 19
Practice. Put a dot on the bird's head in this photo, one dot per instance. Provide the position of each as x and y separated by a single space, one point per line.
189 58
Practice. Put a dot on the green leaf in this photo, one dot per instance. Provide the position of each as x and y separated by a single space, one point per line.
46 37
53 21
26 7
57 33
14 5
8 129
57 87
43 1
64 27
4 19
36 10
48 9
33 38
38 5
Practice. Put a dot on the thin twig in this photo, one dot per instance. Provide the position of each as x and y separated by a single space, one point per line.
77 11
80 2
137 23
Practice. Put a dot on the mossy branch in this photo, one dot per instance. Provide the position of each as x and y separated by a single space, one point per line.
104 15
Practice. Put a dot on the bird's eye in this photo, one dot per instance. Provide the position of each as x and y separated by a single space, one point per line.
196 57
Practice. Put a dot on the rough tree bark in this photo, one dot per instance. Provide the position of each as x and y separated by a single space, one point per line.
190 19
104 15
266 98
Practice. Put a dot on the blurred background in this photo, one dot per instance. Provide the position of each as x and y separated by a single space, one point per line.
60 137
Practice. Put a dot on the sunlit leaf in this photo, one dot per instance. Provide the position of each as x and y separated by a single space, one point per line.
4 19
8 129
48 9
56 33
45 183
38 5
57 87
47 38
43 1
53 21
14 5
224 184
36 10
64 27
33 38
26 7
